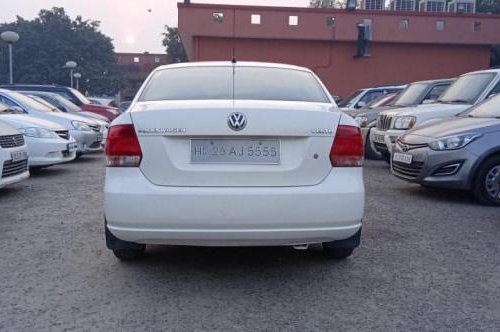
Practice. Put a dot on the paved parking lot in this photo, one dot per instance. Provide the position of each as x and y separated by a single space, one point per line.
429 261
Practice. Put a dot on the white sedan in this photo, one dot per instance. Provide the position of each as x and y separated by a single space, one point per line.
13 156
233 154
48 143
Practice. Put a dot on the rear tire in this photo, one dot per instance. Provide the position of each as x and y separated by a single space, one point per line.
338 253
486 187
371 152
129 254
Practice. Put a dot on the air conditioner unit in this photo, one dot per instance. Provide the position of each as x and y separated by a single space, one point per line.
404 5
434 6
462 6
373 4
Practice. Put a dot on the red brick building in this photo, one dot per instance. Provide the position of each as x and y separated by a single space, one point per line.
405 46
136 67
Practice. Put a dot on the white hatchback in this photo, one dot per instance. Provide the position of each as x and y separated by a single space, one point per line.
233 154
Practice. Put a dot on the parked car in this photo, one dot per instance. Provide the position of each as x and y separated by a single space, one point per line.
124 105
48 143
103 101
468 90
13 156
66 106
423 92
262 152
87 133
362 97
459 153
73 95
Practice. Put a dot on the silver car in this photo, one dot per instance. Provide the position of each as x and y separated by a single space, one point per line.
88 134
458 153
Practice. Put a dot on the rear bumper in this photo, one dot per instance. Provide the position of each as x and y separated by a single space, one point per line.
138 211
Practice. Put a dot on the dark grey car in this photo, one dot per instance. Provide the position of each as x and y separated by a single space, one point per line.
459 153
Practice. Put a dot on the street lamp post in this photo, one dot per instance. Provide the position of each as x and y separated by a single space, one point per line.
71 65
10 37
77 76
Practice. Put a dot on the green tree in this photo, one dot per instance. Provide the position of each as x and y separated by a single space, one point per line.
172 41
53 38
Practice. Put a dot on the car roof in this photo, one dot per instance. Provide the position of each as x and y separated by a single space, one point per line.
492 70
444 80
229 63
33 86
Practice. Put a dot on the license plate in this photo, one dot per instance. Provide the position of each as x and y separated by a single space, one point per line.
18 156
402 158
72 146
378 138
235 151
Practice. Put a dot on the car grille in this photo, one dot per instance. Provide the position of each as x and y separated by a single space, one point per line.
411 171
14 168
408 147
384 122
63 133
11 141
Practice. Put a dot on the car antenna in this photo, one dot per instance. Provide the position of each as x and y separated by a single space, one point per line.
234 61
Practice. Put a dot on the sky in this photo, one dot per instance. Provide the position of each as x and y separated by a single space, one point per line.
134 25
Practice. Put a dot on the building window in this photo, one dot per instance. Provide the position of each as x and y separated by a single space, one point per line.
157 59
293 20
136 59
439 25
255 19
218 17
330 22
404 24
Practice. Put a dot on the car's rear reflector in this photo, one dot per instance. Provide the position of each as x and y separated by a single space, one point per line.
122 147
347 149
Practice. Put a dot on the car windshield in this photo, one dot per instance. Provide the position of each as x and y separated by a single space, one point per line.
80 96
381 101
349 99
487 109
411 95
467 89
250 83
30 102
6 109
66 103
45 103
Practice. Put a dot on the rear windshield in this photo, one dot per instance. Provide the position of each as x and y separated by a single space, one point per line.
250 83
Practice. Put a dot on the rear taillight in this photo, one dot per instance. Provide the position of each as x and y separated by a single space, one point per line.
122 147
347 149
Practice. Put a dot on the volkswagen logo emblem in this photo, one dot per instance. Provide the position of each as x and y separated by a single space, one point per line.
237 121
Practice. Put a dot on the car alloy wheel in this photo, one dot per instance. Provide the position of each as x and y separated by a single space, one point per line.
492 182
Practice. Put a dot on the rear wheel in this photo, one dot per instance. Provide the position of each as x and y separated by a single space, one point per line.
124 250
371 152
338 253
487 182
129 254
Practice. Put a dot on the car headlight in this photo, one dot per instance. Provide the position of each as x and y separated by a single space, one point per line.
362 120
38 132
78 125
405 122
453 142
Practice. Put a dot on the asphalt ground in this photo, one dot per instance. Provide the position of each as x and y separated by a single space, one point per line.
429 261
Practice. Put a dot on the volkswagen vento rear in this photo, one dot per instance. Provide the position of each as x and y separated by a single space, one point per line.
233 154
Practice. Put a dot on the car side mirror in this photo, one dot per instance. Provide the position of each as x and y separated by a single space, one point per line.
492 95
